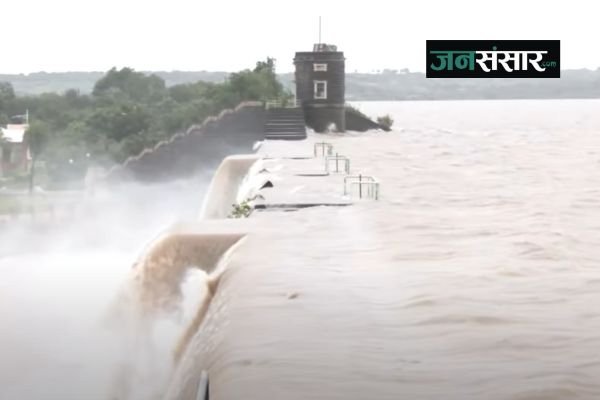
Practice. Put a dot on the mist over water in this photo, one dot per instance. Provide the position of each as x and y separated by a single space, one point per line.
66 333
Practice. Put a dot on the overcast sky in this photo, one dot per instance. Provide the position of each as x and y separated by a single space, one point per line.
229 35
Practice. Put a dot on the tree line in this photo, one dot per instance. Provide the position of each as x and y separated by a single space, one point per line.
126 112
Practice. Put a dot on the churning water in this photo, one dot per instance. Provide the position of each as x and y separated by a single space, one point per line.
64 333
474 277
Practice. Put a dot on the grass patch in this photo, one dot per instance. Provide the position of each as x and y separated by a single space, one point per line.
24 204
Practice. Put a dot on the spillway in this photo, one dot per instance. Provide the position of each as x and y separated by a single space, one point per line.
159 273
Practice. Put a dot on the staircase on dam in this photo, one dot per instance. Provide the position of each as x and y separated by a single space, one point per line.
285 123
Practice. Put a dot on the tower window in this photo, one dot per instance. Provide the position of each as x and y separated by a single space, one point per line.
319 67
320 88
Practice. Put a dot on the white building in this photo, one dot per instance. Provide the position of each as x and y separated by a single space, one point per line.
14 150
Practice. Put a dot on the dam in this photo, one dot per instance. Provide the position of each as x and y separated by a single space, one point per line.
473 275
357 298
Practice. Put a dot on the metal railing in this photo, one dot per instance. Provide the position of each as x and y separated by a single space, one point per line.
371 186
284 103
325 147
337 158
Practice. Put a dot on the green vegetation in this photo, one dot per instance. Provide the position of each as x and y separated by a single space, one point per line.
14 205
125 112
242 210
10 205
386 121
59 82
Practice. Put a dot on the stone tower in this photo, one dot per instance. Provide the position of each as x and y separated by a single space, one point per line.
320 86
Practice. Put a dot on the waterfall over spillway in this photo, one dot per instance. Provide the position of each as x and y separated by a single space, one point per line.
203 245
160 271
224 188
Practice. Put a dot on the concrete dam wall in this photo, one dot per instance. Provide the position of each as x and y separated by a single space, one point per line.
233 131
201 146
360 123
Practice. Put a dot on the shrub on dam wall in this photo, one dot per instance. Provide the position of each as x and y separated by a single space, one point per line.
127 112
386 121
241 210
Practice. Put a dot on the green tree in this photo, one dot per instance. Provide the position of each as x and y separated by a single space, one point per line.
268 65
7 94
118 121
259 84
126 112
130 84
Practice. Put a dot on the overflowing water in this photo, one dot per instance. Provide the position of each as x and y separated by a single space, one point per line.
475 276
225 186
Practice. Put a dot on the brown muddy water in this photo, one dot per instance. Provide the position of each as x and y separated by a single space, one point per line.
475 276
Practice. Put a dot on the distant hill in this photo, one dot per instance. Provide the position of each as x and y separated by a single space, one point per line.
392 85
387 85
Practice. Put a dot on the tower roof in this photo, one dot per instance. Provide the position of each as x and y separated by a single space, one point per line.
323 47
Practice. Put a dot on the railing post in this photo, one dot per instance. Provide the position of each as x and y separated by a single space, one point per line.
324 151
360 186
372 190
337 158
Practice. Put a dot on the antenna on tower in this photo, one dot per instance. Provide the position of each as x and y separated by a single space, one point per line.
319 29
